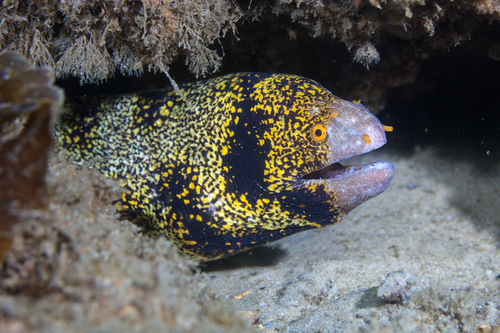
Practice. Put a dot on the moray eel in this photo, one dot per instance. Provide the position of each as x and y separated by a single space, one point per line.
237 162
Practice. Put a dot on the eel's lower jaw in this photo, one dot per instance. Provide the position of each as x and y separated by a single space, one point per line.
353 185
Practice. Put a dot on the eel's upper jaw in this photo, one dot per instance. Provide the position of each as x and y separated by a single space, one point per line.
353 131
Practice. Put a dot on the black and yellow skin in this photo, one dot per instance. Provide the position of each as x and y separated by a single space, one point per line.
220 175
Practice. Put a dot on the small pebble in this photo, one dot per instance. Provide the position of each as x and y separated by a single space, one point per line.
396 287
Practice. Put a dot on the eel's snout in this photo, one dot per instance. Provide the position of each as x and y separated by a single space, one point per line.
353 130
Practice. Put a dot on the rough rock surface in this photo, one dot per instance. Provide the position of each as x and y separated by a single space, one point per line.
76 268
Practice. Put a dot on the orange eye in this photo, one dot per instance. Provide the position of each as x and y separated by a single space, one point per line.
318 132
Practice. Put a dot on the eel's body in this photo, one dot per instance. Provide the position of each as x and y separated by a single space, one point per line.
252 160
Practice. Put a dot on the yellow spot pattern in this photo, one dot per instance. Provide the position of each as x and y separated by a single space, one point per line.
220 177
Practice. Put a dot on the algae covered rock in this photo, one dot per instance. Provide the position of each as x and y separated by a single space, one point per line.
28 104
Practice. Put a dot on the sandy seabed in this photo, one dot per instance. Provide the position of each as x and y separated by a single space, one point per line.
76 268
438 221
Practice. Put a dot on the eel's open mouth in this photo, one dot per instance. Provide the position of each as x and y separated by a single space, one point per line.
352 131
354 184
337 170
330 171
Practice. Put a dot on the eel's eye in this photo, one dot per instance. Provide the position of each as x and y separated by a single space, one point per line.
318 132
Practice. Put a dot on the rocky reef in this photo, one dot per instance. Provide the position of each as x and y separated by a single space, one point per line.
94 40
29 105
